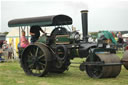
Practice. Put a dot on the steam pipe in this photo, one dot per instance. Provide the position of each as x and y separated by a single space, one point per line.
84 16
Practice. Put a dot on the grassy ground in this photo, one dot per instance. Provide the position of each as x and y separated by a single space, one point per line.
12 74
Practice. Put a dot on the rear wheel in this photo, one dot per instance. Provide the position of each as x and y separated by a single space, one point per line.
36 60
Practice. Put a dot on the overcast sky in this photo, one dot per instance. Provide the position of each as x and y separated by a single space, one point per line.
103 14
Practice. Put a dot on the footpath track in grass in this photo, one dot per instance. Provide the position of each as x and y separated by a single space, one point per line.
12 74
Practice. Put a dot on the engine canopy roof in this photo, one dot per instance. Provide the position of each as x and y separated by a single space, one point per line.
41 21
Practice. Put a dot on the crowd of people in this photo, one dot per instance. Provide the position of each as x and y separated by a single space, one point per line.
121 42
6 50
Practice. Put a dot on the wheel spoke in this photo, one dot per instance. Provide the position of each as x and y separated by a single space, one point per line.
37 69
36 51
31 65
42 64
30 61
29 56
30 53
41 56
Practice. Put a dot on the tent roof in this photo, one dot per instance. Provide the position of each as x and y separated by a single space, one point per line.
13 32
125 35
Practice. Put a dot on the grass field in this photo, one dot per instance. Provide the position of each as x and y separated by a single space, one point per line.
12 74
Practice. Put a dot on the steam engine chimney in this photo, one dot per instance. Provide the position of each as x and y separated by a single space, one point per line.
84 16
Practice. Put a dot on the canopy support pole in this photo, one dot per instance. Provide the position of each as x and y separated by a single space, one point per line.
27 33
19 33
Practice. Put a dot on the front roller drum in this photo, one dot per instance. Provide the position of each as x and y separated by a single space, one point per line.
104 71
36 60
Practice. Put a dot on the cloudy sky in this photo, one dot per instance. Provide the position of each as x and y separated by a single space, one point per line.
103 14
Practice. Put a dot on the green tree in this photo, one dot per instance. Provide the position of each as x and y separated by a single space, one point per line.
94 34
5 33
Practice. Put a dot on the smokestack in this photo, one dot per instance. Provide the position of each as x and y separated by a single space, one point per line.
84 16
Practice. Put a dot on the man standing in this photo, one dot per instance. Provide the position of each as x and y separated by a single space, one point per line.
10 51
35 33
5 50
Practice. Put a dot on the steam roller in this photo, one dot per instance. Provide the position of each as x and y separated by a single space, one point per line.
53 53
